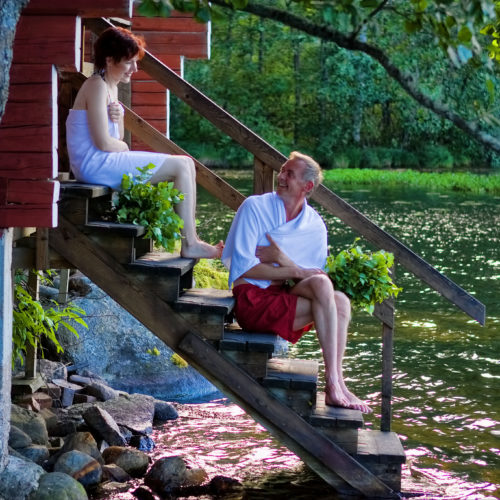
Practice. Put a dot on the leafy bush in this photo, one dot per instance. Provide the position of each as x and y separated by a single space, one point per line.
152 206
436 157
363 277
210 274
32 322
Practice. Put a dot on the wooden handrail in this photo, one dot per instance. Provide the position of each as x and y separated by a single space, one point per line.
330 201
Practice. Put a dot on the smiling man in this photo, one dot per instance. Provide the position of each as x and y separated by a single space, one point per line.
275 251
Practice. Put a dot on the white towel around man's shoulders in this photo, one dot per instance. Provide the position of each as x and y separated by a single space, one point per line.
303 239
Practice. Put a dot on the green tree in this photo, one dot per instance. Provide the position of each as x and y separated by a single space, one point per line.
454 27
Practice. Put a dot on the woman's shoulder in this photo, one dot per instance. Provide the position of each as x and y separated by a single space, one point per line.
94 82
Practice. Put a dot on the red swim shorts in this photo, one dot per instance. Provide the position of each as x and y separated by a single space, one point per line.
267 310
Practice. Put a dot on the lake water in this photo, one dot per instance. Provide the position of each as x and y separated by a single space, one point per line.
446 405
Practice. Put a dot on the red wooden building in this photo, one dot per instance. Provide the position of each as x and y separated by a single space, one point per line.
49 41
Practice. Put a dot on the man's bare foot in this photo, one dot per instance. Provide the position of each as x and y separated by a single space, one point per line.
355 403
335 397
202 250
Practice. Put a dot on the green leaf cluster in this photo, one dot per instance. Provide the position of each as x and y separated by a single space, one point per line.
34 322
363 276
151 206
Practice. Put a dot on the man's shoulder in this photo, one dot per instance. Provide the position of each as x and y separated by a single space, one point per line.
258 200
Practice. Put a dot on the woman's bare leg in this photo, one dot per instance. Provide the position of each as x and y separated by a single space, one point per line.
181 170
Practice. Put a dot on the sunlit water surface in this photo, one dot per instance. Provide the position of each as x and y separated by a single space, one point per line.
446 405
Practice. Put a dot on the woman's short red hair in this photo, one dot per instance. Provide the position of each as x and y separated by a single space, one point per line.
117 43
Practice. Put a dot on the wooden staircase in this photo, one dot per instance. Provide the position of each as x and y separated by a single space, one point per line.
249 368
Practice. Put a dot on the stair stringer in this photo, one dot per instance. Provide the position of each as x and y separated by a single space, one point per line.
327 459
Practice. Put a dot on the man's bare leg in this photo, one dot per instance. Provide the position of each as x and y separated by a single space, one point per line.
318 302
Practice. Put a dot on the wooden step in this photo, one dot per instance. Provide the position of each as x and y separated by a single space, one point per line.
206 309
124 241
81 203
250 351
333 417
381 453
165 274
294 382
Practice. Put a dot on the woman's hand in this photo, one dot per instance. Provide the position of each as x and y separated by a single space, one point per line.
115 112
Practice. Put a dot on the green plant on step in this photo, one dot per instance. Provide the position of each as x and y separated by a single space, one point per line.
363 276
34 321
151 206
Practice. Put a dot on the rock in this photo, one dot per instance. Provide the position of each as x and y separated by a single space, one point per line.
134 411
78 285
19 478
80 441
50 370
143 494
166 474
80 466
132 461
102 423
220 485
123 359
31 423
164 411
36 453
53 390
195 477
42 399
143 443
61 422
111 472
101 391
109 488
58 486
18 438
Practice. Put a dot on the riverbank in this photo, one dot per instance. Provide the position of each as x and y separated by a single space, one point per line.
465 182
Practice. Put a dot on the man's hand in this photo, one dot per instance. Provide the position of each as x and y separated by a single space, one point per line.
272 254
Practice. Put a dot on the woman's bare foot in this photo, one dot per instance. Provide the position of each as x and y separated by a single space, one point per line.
201 250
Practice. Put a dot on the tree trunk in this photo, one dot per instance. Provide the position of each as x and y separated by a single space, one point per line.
10 10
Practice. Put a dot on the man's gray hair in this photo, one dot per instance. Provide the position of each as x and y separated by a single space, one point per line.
312 172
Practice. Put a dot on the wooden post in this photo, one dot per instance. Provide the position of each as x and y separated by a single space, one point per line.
42 248
34 291
387 363
63 296
263 177
5 341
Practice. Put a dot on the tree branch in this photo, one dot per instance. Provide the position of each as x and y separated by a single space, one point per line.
370 16
405 80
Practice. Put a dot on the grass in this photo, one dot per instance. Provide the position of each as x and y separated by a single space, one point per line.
444 181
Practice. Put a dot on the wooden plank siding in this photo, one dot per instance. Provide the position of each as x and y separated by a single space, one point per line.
168 39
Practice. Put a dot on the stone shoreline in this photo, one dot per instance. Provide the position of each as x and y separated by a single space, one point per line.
78 438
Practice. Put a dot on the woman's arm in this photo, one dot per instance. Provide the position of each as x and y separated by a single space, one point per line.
97 114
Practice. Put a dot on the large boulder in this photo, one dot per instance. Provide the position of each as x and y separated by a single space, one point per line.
166 474
103 424
58 486
81 467
31 423
118 348
133 462
19 478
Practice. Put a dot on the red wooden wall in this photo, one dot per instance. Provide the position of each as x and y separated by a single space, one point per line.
168 39
48 36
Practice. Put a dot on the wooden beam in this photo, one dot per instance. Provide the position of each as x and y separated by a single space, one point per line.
263 178
83 8
148 308
204 176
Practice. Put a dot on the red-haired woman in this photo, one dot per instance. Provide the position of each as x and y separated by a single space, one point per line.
94 133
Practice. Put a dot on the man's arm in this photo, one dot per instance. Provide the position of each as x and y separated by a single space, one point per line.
285 270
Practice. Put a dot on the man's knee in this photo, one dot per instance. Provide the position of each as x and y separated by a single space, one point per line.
343 304
322 286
